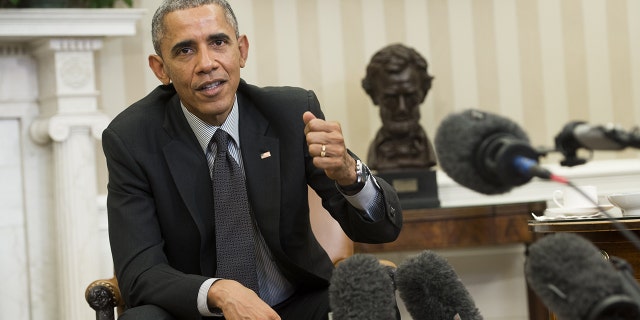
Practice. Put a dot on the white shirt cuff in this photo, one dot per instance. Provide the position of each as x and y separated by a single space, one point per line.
203 307
365 198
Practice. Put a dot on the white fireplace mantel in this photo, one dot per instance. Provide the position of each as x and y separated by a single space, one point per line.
55 51
26 24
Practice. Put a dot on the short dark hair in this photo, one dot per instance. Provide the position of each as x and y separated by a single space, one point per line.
168 6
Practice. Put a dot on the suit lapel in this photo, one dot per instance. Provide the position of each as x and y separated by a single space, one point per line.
190 171
261 156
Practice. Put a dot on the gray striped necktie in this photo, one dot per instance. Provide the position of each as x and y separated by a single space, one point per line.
235 244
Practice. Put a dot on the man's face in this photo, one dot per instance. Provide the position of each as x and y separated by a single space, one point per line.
399 96
202 57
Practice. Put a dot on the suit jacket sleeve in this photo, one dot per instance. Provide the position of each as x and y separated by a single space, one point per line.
136 239
355 226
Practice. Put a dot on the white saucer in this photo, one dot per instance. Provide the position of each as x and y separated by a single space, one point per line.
631 213
553 212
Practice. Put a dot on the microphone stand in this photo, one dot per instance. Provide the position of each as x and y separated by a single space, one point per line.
567 144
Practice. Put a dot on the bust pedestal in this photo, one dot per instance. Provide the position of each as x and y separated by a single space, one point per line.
416 188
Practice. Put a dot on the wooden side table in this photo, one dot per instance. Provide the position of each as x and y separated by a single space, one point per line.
601 232
458 227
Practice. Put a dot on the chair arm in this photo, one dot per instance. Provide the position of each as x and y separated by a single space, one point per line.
103 296
388 263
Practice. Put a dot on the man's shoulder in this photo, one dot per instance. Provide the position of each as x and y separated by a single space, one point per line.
273 93
151 107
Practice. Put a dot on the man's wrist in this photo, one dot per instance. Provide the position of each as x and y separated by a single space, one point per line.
362 175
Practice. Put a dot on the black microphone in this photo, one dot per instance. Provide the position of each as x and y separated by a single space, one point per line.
578 134
486 152
575 281
431 289
362 288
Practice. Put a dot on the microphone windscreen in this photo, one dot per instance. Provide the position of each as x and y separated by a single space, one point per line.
362 288
571 276
458 140
431 289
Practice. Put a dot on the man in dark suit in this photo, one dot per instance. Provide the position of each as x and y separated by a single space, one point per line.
160 195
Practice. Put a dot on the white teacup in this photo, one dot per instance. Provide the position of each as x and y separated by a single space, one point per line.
572 198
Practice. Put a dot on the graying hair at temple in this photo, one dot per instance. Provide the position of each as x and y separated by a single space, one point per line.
168 6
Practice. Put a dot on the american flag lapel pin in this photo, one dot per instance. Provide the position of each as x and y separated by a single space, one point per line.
265 155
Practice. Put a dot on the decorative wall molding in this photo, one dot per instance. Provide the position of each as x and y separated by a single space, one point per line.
69 44
13 49
67 74
57 128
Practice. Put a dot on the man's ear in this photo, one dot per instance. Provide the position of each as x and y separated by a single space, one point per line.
243 46
157 66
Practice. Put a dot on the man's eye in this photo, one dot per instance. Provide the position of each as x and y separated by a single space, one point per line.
184 51
218 43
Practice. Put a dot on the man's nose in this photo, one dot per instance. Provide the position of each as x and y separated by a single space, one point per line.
206 61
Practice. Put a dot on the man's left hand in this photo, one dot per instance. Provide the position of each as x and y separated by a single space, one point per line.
327 147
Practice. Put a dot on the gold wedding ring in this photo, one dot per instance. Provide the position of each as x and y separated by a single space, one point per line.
323 151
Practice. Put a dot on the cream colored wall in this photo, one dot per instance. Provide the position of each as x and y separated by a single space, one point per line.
541 63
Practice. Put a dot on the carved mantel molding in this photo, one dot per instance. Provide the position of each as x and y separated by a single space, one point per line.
64 42
58 128
26 24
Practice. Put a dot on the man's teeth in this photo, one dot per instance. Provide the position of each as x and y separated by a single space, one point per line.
211 85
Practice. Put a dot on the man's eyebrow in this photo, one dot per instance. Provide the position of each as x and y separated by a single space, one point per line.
191 43
182 44
219 36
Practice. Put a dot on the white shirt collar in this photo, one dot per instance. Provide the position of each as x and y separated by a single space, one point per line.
205 131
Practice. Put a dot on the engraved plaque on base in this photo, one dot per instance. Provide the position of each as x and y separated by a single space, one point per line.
416 188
